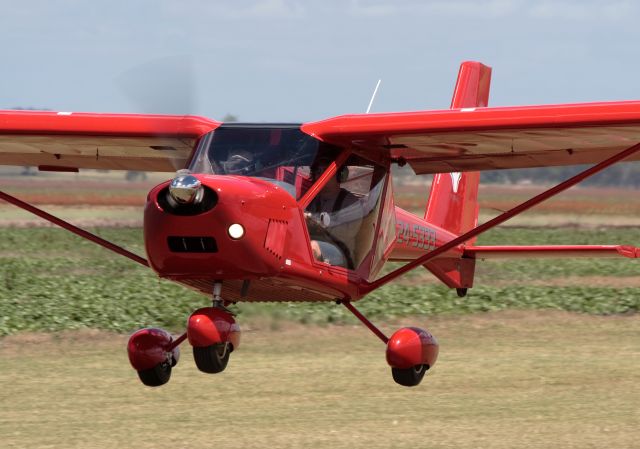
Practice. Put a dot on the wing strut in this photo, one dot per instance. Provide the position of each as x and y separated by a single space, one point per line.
369 287
324 178
76 230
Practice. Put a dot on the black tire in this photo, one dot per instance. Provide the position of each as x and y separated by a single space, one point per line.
462 292
156 376
212 359
409 377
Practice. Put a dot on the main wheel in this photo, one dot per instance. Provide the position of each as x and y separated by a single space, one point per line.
156 376
409 377
212 359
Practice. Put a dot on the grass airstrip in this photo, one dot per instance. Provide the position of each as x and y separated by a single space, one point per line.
540 353
504 380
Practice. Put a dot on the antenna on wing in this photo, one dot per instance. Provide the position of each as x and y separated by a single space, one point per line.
375 91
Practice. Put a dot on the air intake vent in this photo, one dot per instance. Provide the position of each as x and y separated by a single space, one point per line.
192 244
276 236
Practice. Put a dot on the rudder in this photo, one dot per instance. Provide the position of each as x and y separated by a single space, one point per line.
453 200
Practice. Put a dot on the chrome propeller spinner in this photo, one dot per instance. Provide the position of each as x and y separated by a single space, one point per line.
186 188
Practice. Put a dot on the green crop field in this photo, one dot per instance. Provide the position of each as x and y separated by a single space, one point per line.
51 280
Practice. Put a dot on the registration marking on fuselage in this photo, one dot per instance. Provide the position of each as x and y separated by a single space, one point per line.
415 235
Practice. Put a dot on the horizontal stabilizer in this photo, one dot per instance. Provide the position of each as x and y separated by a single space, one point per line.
551 251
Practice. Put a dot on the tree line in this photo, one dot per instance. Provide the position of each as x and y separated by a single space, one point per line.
620 175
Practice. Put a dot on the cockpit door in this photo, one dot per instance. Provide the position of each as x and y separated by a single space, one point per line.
344 217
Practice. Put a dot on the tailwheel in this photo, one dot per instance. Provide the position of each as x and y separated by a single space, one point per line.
409 377
213 358
156 376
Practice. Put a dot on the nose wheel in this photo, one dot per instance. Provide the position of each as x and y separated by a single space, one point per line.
212 359
214 334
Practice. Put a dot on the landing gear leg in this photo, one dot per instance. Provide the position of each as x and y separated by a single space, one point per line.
217 302
411 351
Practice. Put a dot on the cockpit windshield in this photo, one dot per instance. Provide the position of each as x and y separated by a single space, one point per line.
279 154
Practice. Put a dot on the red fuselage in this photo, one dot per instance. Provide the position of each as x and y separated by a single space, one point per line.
273 260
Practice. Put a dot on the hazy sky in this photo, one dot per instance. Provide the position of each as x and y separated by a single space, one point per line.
290 60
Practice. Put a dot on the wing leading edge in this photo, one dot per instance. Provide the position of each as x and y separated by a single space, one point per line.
67 140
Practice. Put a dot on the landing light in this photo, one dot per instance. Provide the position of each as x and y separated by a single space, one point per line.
236 231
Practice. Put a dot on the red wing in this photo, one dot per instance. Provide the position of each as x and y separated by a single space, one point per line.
490 138
532 252
101 141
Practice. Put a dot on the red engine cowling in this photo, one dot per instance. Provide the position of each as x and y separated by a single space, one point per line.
209 326
411 346
149 347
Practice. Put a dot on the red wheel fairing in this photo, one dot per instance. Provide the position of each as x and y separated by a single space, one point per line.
148 348
411 346
209 326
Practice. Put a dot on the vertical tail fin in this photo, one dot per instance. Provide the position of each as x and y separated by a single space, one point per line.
453 201
472 86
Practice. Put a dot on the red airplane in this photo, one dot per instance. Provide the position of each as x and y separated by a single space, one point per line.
291 212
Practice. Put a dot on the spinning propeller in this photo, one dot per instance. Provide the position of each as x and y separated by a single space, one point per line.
162 86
